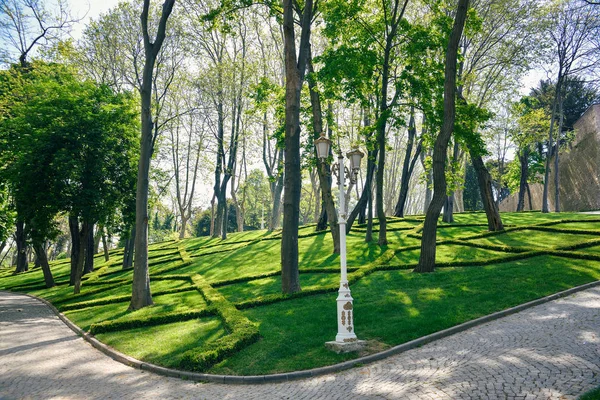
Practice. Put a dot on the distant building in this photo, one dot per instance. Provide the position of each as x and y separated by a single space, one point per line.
579 171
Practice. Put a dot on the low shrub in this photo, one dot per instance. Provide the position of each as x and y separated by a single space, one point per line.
153 320
582 245
117 299
243 331
494 247
565 230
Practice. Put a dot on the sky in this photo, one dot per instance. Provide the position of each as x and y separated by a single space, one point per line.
87 9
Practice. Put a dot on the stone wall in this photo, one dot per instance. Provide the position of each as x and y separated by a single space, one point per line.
579 171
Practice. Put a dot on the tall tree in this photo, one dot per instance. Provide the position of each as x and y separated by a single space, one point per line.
572 26
408 166
25 25
496 50
295 67
428 241
323 169
141 295
532 125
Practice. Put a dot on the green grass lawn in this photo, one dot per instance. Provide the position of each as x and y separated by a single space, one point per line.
164 344
391 307
534 239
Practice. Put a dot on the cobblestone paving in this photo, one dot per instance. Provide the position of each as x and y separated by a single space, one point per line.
551 351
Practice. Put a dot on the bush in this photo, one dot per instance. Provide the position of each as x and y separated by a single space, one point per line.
153 320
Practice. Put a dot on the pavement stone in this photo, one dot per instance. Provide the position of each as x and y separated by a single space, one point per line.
551 351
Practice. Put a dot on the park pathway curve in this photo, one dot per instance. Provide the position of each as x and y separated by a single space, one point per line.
548 351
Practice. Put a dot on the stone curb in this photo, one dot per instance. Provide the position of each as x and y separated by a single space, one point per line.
290 376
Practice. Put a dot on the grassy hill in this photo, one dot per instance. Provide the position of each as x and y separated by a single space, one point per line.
218 306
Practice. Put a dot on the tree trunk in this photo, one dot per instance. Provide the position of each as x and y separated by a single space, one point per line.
323 169
225 219
322 222
362 203
369 233
557 155
448 216
487 196
21 241
428 182
545 207
529 196
89 250
105 246
97 238
381 125
141 296
276 193
129 250
75 247
295 68
42 257
428 241
81 256
408 166
2 246
6 255
524 161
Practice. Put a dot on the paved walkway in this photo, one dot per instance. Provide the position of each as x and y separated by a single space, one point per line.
549 351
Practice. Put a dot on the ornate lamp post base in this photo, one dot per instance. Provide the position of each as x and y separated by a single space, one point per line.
346 347
345 340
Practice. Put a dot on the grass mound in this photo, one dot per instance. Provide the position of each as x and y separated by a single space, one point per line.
219 308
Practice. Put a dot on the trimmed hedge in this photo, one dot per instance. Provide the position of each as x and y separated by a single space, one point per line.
85 294
362 272
180 277
352 277
169 252
494 233
245 279
575 255
169 269
97 282
117 299
152 320
243 331
184 255
241 246
565 230
326 270
34 286
495 247
582 245
390 229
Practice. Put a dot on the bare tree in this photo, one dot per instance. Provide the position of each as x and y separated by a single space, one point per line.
428 241
26 24
141 296
573 27
186 136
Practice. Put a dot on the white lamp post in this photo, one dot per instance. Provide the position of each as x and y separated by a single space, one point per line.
346 339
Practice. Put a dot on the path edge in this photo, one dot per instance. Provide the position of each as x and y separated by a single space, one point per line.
295 375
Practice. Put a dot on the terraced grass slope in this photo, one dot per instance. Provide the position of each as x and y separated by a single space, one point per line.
219 309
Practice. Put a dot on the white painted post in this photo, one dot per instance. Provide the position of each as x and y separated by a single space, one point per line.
345 310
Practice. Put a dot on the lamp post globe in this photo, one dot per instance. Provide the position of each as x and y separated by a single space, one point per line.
355 157
322 145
